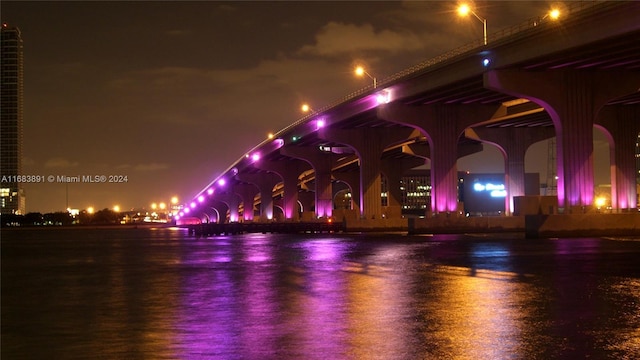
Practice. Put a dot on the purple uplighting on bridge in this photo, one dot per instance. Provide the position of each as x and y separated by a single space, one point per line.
383 97
444 110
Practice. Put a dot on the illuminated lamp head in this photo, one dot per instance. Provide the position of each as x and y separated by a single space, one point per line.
193 205
255 156
320 124
186 210
200 198
210 191
222 182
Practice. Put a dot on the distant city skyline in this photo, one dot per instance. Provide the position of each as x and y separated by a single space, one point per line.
168 94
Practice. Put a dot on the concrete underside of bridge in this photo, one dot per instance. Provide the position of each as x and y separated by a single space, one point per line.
532 226
542 81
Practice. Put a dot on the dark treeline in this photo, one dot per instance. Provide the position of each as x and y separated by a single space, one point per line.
101 217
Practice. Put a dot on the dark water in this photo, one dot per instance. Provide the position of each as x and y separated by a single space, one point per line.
159 294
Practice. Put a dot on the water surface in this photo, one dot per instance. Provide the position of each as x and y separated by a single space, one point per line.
160 294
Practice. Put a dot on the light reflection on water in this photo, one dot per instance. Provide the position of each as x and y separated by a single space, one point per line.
70 293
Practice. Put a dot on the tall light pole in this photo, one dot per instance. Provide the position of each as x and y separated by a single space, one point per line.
464 10
360 71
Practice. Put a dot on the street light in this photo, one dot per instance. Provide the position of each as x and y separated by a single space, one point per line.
306 108
553 14
360 71
464 10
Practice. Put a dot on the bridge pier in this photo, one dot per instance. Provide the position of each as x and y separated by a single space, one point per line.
621 124
572 98
289 171
247 193
233 202
351 180
442 125
369 144
513 142
265 181
322 163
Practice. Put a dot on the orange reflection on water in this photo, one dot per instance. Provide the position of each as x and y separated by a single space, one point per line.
478 313
378 312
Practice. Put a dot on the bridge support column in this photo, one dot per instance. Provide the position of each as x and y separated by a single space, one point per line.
622 125
513 143
442 126
247 193
369 143
572 98
220 211
265 181
352 180
289 171
322 163
233 202
306 198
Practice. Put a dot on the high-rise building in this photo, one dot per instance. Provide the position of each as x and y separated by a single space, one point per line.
12 199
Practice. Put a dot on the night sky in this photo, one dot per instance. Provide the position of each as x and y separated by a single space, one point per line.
170 94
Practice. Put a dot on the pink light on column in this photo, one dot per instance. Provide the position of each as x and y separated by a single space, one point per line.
200 198
210 191
222 182
324 210
186 210
255 156
320 123
193 205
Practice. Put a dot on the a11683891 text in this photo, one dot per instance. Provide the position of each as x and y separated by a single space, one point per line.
99 179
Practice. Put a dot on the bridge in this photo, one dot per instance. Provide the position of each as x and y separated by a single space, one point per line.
539 80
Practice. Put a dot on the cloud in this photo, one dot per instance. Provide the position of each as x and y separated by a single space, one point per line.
59 163
336 39
178 32
151 167
144 167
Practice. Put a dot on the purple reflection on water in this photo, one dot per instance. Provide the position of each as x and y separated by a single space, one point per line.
136 293
209 306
